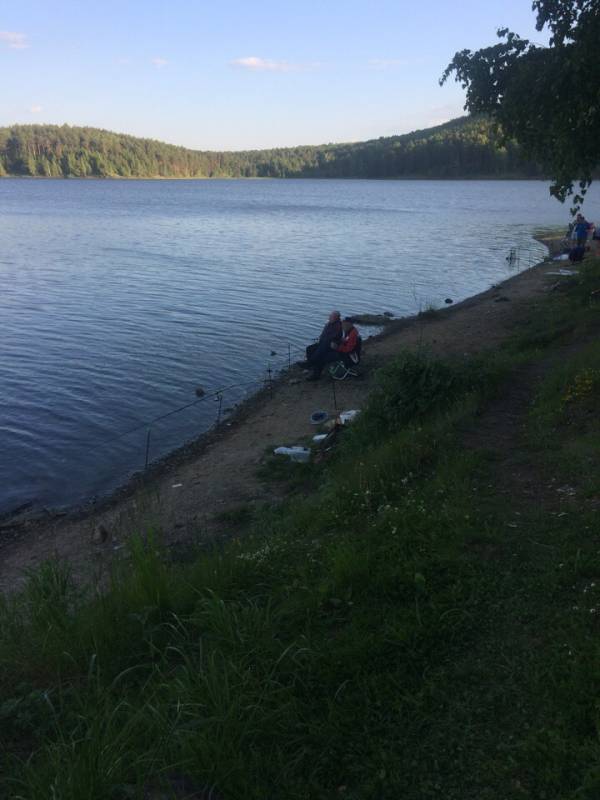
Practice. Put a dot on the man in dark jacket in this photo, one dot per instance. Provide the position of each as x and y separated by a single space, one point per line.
336 350
332 332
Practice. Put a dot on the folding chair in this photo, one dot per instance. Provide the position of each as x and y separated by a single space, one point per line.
347 366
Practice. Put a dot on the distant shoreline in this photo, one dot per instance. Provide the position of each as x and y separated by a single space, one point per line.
465 148
494 178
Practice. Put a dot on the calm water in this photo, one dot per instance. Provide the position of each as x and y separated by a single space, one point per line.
119 298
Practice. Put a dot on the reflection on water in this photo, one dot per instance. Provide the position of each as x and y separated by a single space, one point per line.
120 298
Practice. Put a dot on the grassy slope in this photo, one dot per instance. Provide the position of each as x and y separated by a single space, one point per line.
415 628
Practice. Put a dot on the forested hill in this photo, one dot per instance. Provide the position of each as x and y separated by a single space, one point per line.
463 148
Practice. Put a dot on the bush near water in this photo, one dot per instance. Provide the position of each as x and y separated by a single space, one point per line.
415 628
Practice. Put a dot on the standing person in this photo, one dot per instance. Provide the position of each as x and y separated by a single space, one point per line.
332 332
580 230
336 351
595 233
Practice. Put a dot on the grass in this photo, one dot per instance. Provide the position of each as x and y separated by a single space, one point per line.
237 517
293 475
405 630
565 426
429 311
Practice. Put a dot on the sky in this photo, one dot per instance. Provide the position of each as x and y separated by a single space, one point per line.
234 74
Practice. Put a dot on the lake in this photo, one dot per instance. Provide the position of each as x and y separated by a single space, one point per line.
119 298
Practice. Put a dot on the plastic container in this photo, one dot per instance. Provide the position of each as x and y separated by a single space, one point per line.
296 453
349 416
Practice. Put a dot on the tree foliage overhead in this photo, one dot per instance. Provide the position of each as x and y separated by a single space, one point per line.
546 98
466 147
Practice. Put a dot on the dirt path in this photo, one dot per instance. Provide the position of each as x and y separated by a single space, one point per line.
500 432
185 500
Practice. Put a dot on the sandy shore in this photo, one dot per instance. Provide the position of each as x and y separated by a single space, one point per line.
185 496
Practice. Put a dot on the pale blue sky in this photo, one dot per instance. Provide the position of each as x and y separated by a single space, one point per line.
234 74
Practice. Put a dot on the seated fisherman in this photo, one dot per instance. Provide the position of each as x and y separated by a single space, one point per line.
336 351
332 332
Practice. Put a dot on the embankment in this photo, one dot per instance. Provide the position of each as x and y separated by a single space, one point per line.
185 494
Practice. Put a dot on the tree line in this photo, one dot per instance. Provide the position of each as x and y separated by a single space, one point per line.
467 147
